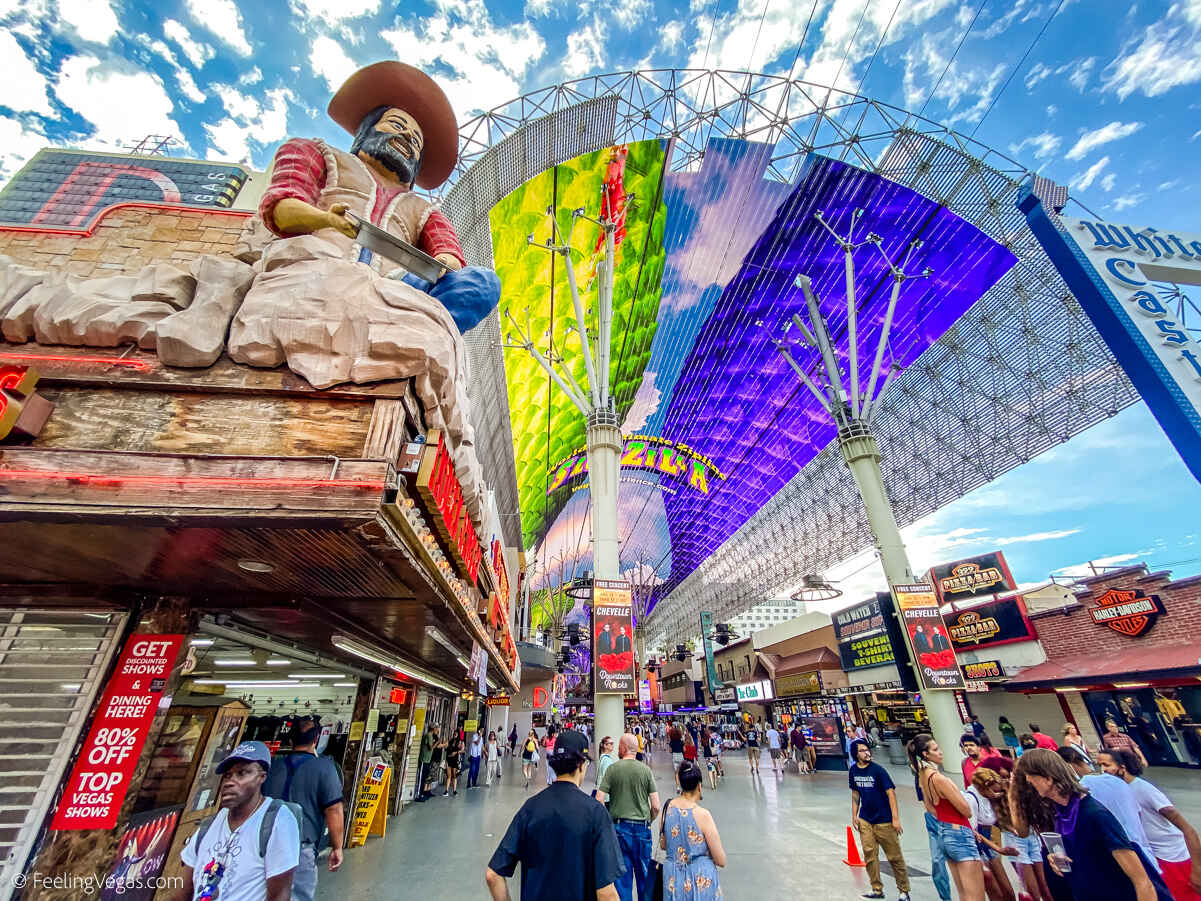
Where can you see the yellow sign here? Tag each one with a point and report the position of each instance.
(470, 726)
(373, 720)
(371, 812)
(418, 720)
(356, 730)
(798, 684)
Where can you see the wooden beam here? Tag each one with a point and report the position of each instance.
(132, 368)
(89, 418)
(185, 485)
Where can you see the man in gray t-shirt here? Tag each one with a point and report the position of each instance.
(315, 783)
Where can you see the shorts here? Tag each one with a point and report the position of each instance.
(958, 842)
(709, 762)
(1030, 848)
(676, 759)
(775, 753)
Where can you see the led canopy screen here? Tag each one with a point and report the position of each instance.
(718, 422)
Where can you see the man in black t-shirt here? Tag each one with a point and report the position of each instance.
(874, 813)
(563, 839)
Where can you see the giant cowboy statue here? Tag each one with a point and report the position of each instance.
(328, 306)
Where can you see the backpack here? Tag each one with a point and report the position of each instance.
(266, 825)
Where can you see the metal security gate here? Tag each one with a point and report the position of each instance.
(51, 666)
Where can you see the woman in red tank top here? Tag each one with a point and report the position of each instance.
(943, 798)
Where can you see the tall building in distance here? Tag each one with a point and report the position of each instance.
(769, 613)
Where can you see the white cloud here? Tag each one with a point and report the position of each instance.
(631, 13)
(1036, 537)
(1168, 185)
(334, 10)
(1052, 109)
(646, 402)
(123, 105)
(223, 19)
(1164, 57)
(18, 142)
(1038, 72)
(331, 62)
(1082, 181)
(1043, 145)
(536, 9)
(671, 36)
(197, 52)
(1128, 200)
(1091, 140)
(187, 84)
(1081, 71)
(93, 20)
(487, 60)
(1084, 570)
(249, 120)
(23, 87)
(254, 76)
(1109, 180)
(585, 49)
(927, 58)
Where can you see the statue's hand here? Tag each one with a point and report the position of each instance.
(449, 260)
(336, 218)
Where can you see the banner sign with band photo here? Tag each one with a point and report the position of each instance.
(102, 773)
(613, 637)
(998, 622)
(972, 578)
(933, 654)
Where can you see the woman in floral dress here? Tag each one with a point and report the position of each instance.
(689, 836)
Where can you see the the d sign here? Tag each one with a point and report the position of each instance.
(540, 696)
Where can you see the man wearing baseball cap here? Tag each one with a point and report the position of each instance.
(250, 848)
(562, 838)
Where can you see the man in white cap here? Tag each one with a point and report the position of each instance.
(249, 850)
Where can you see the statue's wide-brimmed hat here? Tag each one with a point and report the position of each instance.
(395, 84)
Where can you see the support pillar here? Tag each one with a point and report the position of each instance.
(862, 455)
(604, 454)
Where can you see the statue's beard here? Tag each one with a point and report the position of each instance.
(378, 145)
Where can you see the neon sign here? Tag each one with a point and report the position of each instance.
(651, 453)
(439, 489)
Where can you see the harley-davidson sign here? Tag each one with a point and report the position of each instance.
(1128, 612)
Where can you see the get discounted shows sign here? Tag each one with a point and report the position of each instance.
(100, 779)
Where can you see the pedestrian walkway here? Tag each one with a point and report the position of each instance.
(785, 836)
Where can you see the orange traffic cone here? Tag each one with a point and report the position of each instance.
(852, 859)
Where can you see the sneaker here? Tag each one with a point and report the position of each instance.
(904, 896)
(872, 895)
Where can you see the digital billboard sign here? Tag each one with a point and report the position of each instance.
(715, 421)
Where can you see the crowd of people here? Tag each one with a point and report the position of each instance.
(1039, 820)
(1074, 822)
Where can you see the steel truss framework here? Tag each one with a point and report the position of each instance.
(1022, 371)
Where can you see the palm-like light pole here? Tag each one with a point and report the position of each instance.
(596, 405)
(853, 412)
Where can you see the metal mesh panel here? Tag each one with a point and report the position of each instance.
(51, 665)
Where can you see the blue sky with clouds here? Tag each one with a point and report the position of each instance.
(1106, 100)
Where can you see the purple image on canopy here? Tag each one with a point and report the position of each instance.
(737, 401)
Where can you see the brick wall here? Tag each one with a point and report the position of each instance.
(1070, 631)
(126, 239)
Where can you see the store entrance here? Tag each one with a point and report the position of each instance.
(1157, 720)
(233, 691)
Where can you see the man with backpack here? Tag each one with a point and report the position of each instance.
(315, 783)
(250, 848)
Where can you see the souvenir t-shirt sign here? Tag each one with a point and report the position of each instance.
(933, 655)
(613, 638)
(101, 776)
